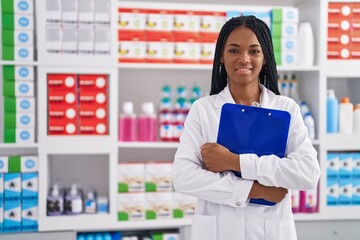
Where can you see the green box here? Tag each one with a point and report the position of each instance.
(8, 89)
(9, 135)
(277, 44)
(8, 21)
(123, 187)
(9, 104)
(8, 53)
(277, 58)
(9, 73)
(276, 15)
(7, 6)
(15, 164)
(8, 37)
(276, 30)
(123, 216)
(9, 120)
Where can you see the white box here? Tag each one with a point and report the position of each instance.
(131, 177)
(290, 14)
(102, 41)
(23, 22)
(29, 164)
(102, 12)
(20, 88)
(159, 206)
(23, 53)
(24, 7)
(53, 39)
(21, 135)
(86, 41)
(21, 120)
(69, 41)
(21, 104)
(24, 73)
(158, 177)
(69, 10)
(4, 164)
(134, 20)
(289, 58)
(86, 10)
(131, 206)
(53, 12)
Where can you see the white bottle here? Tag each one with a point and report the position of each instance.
(356, 119)
(345, 116)
(306, 50)
(310, 125)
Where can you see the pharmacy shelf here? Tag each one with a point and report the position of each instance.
(342, 142)
(342, 68)
(20, 63)
(108, 222)
(18, 145)
(148, 144)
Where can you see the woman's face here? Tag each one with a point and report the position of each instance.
(242, 56)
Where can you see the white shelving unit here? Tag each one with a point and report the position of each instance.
(141, 82)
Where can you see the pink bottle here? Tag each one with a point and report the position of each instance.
(295, 201)
(128, 123)
(309, 201)
(147, 123)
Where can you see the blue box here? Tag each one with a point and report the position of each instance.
(345, 191)
(356, 165)
(332, 191)
(356, 191)
(345, 165)
(332, 165)
(12, 187)
(12, 216)
(30, 189)
(29, 221)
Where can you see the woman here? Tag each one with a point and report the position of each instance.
(244, 72)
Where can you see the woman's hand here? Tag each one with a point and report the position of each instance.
(218, 158)
(272, 194)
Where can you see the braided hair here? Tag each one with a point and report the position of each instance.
(268, 73)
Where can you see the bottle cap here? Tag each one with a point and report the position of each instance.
(356, 107)
(128, 107)
(55, 191)
(148, 107)
(345, 100)
(73, 190)
(330, 92)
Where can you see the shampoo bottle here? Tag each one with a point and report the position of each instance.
(332, 112)
(128, 123)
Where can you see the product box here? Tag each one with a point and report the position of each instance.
(159, 21)
(285, 14)
(86, 41)
(90, 126)
(17, 7)
(158, 177)
(345, 191)
(284, 30)
(134, 19)
(285, 44)
(58, 126)
(53, 12)
(14, 164)
(12, 187)
(264, 16)
(338, 52)
(18, 88)
(29, 220)
(69, 40)
(332, 165)
(19, 120)
(59, 98)
(15, 53)
(332, 191)
(132, 51)
(12, 216)
(336, 38)
(29, 164)
(211, 23)
(356, 165)
(19, 135)
(339, 10)
(159, 51)
(17, 38)
(131, 206)
(53, 39)
(69, 11)
(86, 11)
(165, 236)
(345, 165)
(30, 188)
(131, 177)
(93, 82)
(4, 164)
(355, 44)
(159, 206)
(355, 191)
(187, 50)
(102, 12)
(186, 22)
(17, 22)
(285, 58)
(14, 73)
(62, 82)
(207, 51)
(183, 205)
(102, 41)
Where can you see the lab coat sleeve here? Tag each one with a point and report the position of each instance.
(190, 177)
(298, 170)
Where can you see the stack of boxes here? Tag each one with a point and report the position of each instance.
(284, 31)
(17, 30)
(19, 104)
(78, 104)
(343, 30)
(78, 27)
(343, 178)
(18, 194)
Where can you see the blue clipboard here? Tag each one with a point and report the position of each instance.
(246, 129)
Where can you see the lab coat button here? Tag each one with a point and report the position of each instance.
(238, 204)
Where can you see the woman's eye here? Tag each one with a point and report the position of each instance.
(233, 51)
(254, 51)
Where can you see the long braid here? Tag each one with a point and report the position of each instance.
(268, 74)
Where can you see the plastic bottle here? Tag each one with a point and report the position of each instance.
(295, 201)
(306, 45)
(148, 123)
(128, 123)
(304, 108)
(55, 201)
(345, 116)
(332, 112)
(356, 119)
(310, 125)
(285, 86)
(166, 114)
(80, 237)
(74, 200)
(90, 202)
(309, 200)
(294, 88)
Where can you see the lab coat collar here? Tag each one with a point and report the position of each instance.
(225, 97)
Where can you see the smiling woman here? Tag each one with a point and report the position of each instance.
(244, 71)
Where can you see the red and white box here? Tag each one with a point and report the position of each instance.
(187, 50)
(132, 47)
(62, 82)
(186, 22)
(92, 82)
(132, 19)
(159, 49)
(160, 22)
(211, 23)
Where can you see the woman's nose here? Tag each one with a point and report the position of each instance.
(244, 58)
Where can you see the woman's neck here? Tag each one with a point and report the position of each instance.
(245, 95)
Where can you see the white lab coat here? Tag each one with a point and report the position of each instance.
(222, 211)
